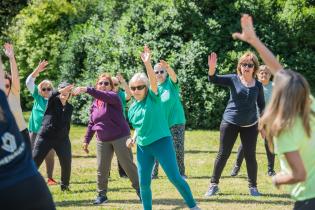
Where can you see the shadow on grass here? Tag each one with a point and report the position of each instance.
(213, 152)
(83, 156)
(220, 199)
(224, 177)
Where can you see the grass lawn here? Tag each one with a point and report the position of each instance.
(201, 148)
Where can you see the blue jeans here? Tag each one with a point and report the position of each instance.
(163, 151)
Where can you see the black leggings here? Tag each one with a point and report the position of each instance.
(270, 157)
(63, 151)
(308, 204)
(228, 136)
(30, 194)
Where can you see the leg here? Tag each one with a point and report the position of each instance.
(249, 140)
(228, 135)
(178, 134)
(163, 150)
(270, 157)
(145, 165)
(27, 139)
(63, 151)
(123, 156)
(240, 156)
(104, 155)
(41, 148)
(50, 163)
(121, 171)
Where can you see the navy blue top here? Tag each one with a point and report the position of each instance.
(16, 163)
(241, 109)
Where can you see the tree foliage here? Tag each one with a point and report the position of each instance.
(83, 38)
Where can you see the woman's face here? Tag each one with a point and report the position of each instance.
(264, 76)
(115, 84)
(247, 68)
(45, 90)
(160, 74)
(138, 90)
(7, 86)
(103, 84)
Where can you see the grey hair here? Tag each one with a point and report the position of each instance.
(139, 77)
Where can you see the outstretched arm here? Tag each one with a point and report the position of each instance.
(8, 50)
(169, 70)
(248, 35)
(146, 58)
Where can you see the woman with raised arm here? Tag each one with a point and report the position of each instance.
(112, 132)
(54, 133)
(21, 185)
(240, 117)
(289, 124)
(152, 135)
(40, 93)
(169, 91)
(12, 91)
(121, 87)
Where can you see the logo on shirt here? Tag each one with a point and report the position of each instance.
(8, 142)
(165, 95)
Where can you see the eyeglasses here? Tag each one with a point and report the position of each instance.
(7, 86)
(140, 87)
(46, 89)
(116, 84)
(103, 83)
(249, 65)
(159, 72)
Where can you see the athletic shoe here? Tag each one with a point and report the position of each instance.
(271, 173)
(65, 188)
(253, 191)
(213, 190)
(100, 199)
(235, 171)
(51, 181)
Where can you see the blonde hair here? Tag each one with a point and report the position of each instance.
(139, 77)
(45, 81)
(290, 99)
(248, 56)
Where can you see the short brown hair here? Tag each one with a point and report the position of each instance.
(108, 77)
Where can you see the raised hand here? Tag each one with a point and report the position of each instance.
(212, 62)
(146, 55)
(8, 50)
(164, 64)
(248, 32)
(66, 89)
(121, 79)
(79, 90)
(40, 68)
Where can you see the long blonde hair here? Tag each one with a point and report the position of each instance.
(290, 99)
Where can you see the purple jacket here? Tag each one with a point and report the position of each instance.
(107, 120)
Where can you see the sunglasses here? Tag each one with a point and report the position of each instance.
(46, 89)
(249, 65)
(116, 84)
(7, 86)
(159, 72)
(103, 83)
(140, 87)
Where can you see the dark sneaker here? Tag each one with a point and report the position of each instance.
(253, 191)
(100, 199)
(139, 195)
(213, 190)
(64, 188)
(271, 173)
(235, 171)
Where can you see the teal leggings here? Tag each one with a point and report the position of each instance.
(163, 151)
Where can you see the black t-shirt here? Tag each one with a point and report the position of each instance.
(16, 163)
(57, 119)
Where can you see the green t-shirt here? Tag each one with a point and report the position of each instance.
(122, 96)
(38, 111)
(146, 118)
(171, 101)
(295, 139)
